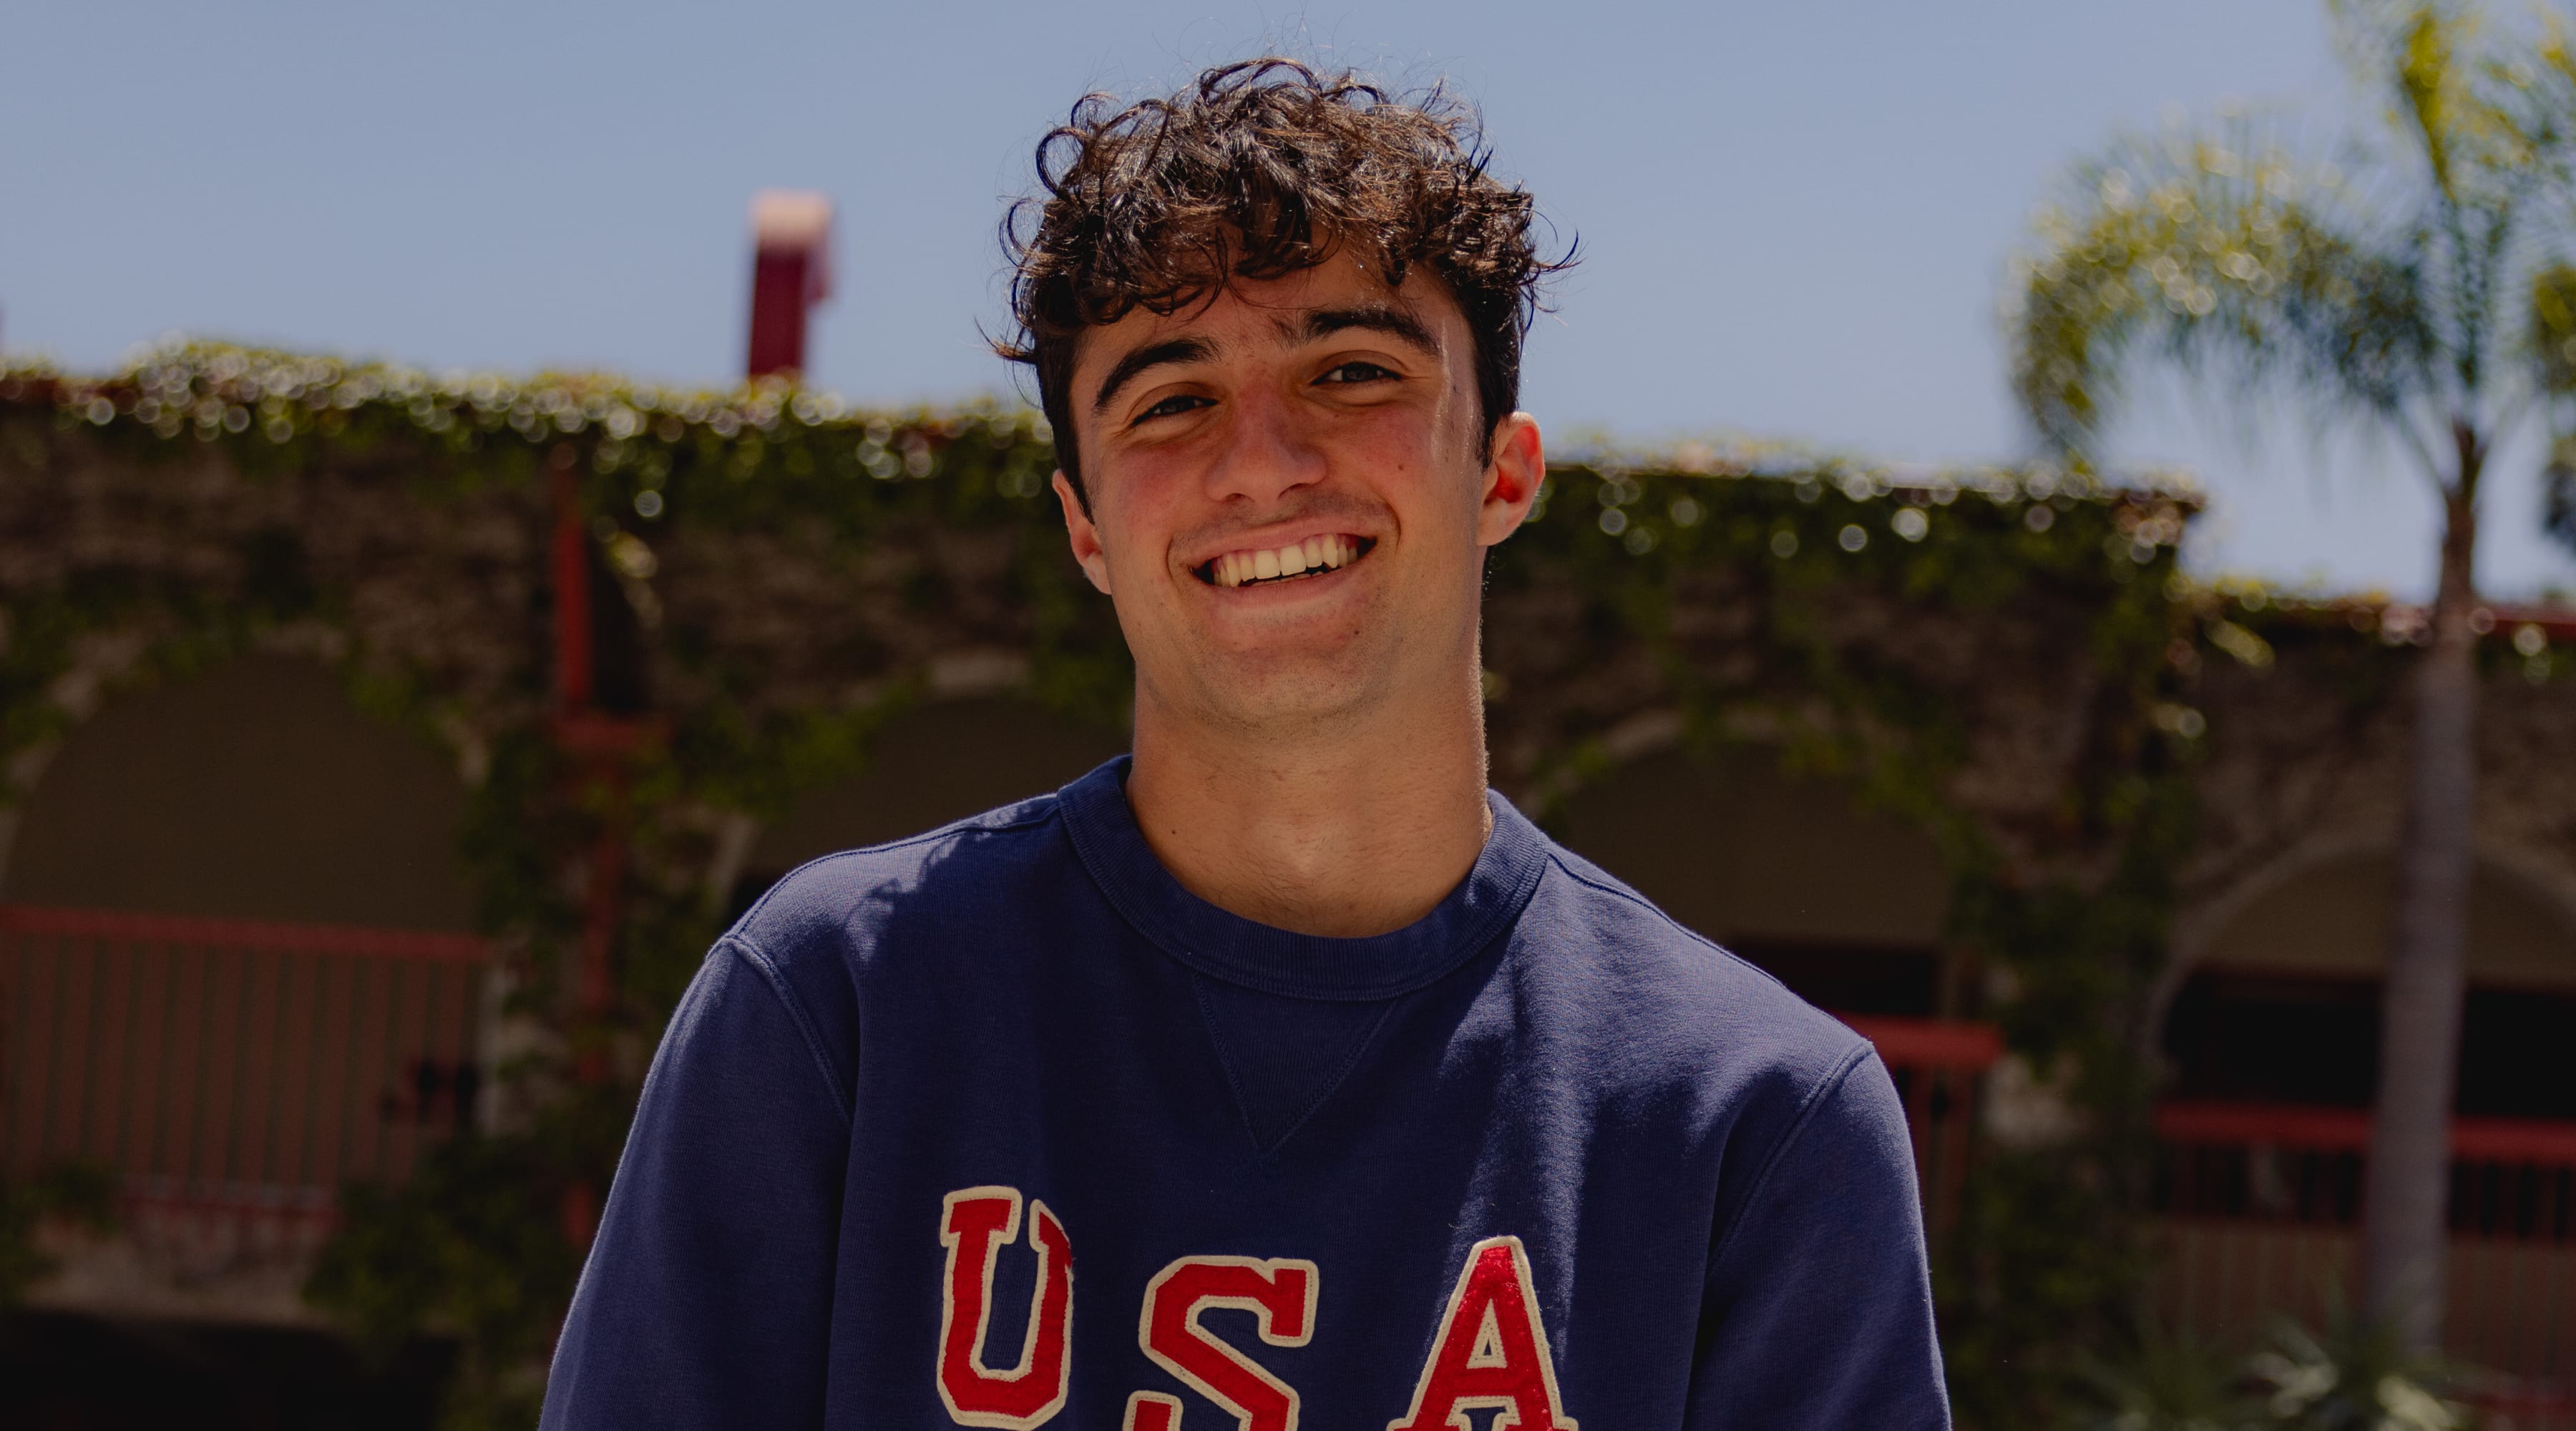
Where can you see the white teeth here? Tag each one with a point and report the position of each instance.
(1324, 553)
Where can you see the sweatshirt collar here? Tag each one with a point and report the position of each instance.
(1260, 956)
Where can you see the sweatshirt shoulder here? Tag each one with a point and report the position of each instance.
(814, 931)
(826, 899)
(1652, 978)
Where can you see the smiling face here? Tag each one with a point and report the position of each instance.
(1290, 495)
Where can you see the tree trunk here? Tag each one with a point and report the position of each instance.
(2403, 1234)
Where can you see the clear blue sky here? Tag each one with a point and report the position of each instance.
(1796, 215)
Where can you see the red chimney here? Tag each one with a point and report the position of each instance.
(791, 271)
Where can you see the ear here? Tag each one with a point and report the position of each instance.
(1083, 536)
(1519, 464)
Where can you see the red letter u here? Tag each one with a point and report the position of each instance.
(973, 1225)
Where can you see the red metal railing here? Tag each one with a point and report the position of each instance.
(1936, 1064)
(235, 1073)
(1930, 1043)
(232, 1072)
(2261, 1201)
(2512, 1179)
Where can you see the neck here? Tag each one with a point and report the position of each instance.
(1348, 832)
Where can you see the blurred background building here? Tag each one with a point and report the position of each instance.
(380, 748)
(241, 965)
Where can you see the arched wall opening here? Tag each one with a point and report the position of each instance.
(255, 790)
(931, 765)
(236, 969)
(2282, 1004)
(1842, 903)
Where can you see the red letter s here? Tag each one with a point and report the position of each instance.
(1280, 1294)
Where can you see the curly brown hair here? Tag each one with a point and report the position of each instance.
(1262, 168)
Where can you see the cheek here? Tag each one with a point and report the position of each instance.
(1402, 446)
(1420, 468)
(1136, 530)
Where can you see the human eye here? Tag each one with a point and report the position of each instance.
(1172, 406)
(1355, 371)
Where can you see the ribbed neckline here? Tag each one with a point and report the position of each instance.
(1260, 956)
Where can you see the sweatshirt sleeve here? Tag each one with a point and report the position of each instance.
(1819, 1311)
(707, 1298)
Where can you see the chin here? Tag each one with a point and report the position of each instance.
(1274, 688)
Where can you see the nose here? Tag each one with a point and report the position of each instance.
(1266, 456)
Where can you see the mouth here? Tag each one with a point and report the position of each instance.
(1296, 561)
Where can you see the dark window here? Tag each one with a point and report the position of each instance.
(2270, 1039)
(1883, 979)
(2279, 1038)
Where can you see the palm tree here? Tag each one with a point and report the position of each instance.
(2430, 293)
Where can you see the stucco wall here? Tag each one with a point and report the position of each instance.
(2333, 920)
(935, 763)
(1736, 850)
(254, 790)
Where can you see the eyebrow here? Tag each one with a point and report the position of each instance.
(1152, 355)
(1314, 325)
(1386, 318)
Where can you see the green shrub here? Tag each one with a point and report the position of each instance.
(2353, 1376)
(79, 1192)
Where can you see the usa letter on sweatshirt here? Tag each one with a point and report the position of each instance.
(1280, 1294)
(973, 1225)
(1491, 1351)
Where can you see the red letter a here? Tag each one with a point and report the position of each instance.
(1492, 1350)
(973, 1226)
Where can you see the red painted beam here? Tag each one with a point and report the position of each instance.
(608, 738)
(2539, 1141)
(570, 563)
(2331, 1130)
(2502, 619)
(1929, 1043)
(200, 931)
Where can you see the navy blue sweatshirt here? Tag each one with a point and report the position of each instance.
(1002, 1127)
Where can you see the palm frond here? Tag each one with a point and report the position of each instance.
(2210, 249)
(2458, 91)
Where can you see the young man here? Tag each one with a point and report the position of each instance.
(1279, 1071)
